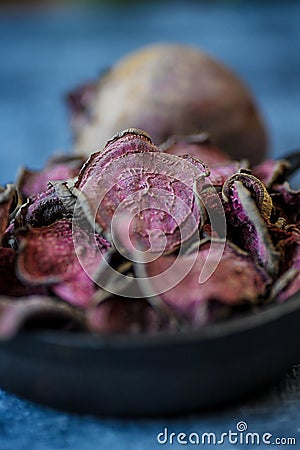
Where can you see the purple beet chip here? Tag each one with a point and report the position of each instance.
(125, 143)
(61, 256)
(246, 225)
(125, 315)
(199, 146)
(63, 167)
(235, 280)
(132, 177)
(35, 312)
(55, 203)
(10, 285)
(256, 189)
(289, 281)
(8, 201)
(220, 173)
(270, 171)
(287, 202)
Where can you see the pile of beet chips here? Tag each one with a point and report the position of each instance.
(142, 239)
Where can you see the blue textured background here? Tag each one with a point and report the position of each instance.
(42, 56)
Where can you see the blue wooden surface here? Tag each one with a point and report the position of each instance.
(42, 56)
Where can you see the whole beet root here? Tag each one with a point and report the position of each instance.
(169, 89)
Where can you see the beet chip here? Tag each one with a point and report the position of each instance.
(270, 171)
(8, 202)
(289, 281)
(36, 312)
(119, 315)
(220, 173)
(10, 285)
(247, 219)
(287, 202)
(59, 168)
(256, 189)
(125, 143)
(48, 256)
(198, 145)
(235, 280)
(155, 189)
(56, 203)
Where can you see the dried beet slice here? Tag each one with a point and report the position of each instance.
(198, 145)
(124, 143)
(130, 316)
(46, 253)
(247, 228)
(31, 183)
(8, 238)
(257, 189)
(284, 240)
(271, 171)
(48, 256)
(8, 202)
(235, 280)
(220, 173)
(37, 312)
(216, 220)
(10, 285)
(154, 188)
(63, 190)
(202, 167)
(287, 202)
(56, 203)
(289, 282)
(157, 200)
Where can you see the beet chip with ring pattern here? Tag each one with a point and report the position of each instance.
(131, 176)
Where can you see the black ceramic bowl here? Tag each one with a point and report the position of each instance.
(159, 374)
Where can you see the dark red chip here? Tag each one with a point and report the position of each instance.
(10, 284)
(125, 315)
(235, 280)
(31, 183)
(131, 177)
(8, 201)
(61, 256)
